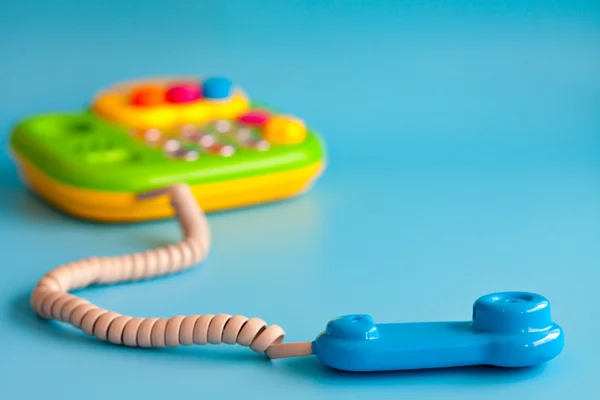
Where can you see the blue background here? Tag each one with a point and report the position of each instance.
(463, 144)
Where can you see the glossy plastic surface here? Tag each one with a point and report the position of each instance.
(141, 135)
(509, 329)
(467, 130)
(85, 151)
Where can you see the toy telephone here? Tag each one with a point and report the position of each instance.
(143, 135)
(118, 162)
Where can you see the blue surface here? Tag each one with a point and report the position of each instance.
(464, 155)
(508, 329)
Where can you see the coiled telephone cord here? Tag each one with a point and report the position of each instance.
(51, 298)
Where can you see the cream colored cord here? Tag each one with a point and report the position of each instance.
(51, 298)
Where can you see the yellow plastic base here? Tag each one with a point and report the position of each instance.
(124, 207)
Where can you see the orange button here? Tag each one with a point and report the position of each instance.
(147, 95)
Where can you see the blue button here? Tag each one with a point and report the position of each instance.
(217, 88)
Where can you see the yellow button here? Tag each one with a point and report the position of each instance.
(284, 130)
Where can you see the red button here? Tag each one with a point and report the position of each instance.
(147, 95)
(254, 118)
(183, 93)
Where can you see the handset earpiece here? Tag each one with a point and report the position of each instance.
(508, 329)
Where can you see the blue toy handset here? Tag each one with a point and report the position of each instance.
(509, 329)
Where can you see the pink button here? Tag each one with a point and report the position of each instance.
(254, 118)
(183, 93)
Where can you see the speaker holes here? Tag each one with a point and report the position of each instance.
(82, 127)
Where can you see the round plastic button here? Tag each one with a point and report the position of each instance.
(183, 93)
(147, 95)
(255, 118)
(217, 88)
(284, 130)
